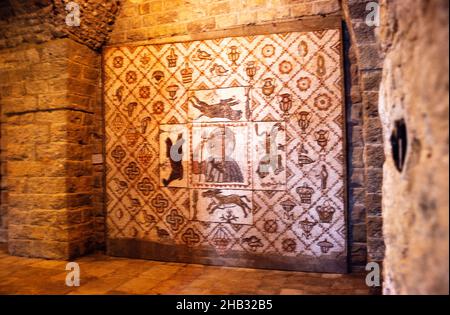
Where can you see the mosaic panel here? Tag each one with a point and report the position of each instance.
(228, 151)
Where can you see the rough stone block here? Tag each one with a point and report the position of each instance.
(359, 254)
(32, 201)
(358, 214)
(356, 134)
(357, 196)
(373, 204)
(374, 181)
(370, 58)
(373, 131)
(374, 227)
(20, 152)
(363, 32)
(29, 134)
(77, 169)
(371, 80)
(359, 233)
(370, 101)
(374, 155)
(357, 157)
(35, 169)
(202, 25)
(69, 133)
(376, 249)
(19, 105)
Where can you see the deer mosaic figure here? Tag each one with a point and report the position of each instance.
(271, 159)
(221, 201)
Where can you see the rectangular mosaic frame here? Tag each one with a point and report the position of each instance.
(138, 244)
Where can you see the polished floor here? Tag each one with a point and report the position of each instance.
(101, 274)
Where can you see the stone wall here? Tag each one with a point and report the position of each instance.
(366, 152)
(414, 35)
(144, 20)
(39, 21)
(47, 114)
(50, 89)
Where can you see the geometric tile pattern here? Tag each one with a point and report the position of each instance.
(234, 144)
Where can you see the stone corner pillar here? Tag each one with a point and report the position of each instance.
(50, 96)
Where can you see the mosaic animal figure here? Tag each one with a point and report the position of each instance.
(221, 201)
(176, 165)
(135, 205)
(271, 160)
(119, 94)
(162, 234)
(218, 70)
(148, 219)
(121, 185)
(203, 55)
(253, 242)
(223, 109)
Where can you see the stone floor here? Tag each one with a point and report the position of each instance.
(101, 274)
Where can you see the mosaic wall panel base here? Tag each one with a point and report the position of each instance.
(228, 151)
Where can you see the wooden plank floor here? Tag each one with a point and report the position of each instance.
(101, 274)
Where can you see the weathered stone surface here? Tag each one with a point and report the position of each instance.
(37, 22)
(374, 204)
(357, 196)
(369, 57)
(357, 178)
(376, 249)
(374, 227)
(374, 180)
(356, 114)
(359, 253)
(371, 80)
(415, 201)
(374, 155)
(370, 104)
(359, 233)
(165, 18)
(372, 131)
(47, 167)
(358, 214)
(357, 157)
(38, 248)
(356, 134)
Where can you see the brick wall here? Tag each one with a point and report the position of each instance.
(50, 90)
(162, 18)
(47, 106)
(365, 133)
(39, 21)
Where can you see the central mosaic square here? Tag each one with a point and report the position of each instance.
(220, 156)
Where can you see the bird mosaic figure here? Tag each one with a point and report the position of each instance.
(218, 70)
(203, 55)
